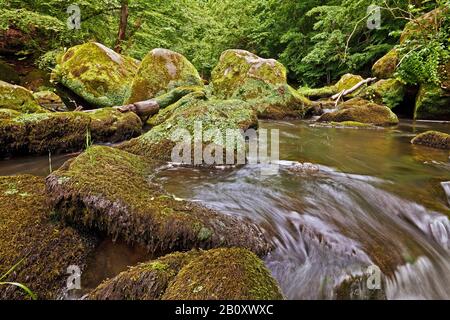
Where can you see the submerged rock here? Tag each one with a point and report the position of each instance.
(96, 73)
(160, 71)
(217, 274)
(18, 98)
(40, 133)
(363, 111)
(29, 233)
(388, 92)
(386, 66)
(244, 76)
(434, 139)
(131, 207)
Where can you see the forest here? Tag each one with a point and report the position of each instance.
(224, 149)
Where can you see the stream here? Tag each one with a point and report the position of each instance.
(368, 198)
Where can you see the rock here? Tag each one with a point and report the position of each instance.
(8, 74)
(40, 133)
(96, 73)
(432, 103)
(129, 206)
(388, 92)
(363, 111)
(160, 71)
(433, 139)
(183, 115)
(245, 76)
(385, 67)
(50, 101)
(29, 232)
(217, 274)
(318, 93)
(18, 98)
(348, 81)
(423, 27)
(35, 79)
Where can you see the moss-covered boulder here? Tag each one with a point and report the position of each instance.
(217, 274)
(96, 73)
(160, 71)
(389, 92)
(386, 66)
(348, 81)
(18, 98)
(50, 101)
(244, 76)
(40, 133)
(109, 190)
(424, 27)
(363, 111)
(211, 114)
(318, 93)
(8, 74)
(434, 139)
(30, 235)
(432, 103)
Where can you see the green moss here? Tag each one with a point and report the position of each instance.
(97, 74)
(363, 111)
(131, 207)
(28, 232)
(161, 71)
(39, 133)
(385, 67)
(389, 92)
(348, 81)
(318, 93)
(18, 98)
(434, 139)
(8, 74)
(241, 275)
(423, 27)
(432, 103)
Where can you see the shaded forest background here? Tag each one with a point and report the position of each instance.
(317, 40)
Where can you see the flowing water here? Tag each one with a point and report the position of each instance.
(368, 199)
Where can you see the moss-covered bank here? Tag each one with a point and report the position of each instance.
(218, 274)
(18, 98)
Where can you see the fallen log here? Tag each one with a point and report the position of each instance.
(144, 109)
(344, 93)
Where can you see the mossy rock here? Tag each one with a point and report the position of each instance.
(50, 101)
(242, 75)
(217, 274)
(96, 73)
(432, 103)
(424, 27)
(318, 93)
(362, 111)
(213, 114)
(8, 74)
(434, 139)
(18, 98)
(29, 232)
(348, 81)
(40, 133)
(108, 189)
(386, 66)
(160, 71)
(389, 92)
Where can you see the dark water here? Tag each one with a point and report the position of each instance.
(368, 198)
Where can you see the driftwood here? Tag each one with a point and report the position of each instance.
(143, 109)
(344, 93)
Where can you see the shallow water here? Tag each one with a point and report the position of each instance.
(369, 199)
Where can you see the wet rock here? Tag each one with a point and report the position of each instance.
(219, 115)
(385, 67)
(318, 93)
(433, 139)
(161, 71)
(96, 73)
(218, 274)
(433, 102)
(29, 232)
(388, 92)
(50, 101)
(131, 207)
(362, 111)
(245, 76)
(40, 133)
(18, 98)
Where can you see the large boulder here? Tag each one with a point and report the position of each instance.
(389, 92)
(30, 237)
(160, 71)
(18, 98)
(433, 139)
(362, 111)
(386, 66)
(96, 73)
(109, 190)
(40, 133)
(348, 81)
(218, 274)
(245, 76)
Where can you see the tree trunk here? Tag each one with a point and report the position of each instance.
(122, 26)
